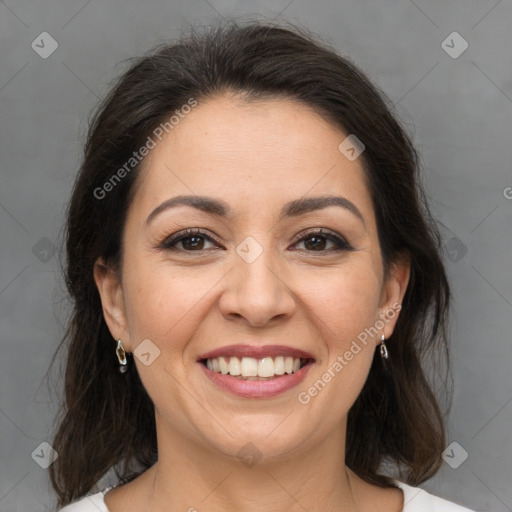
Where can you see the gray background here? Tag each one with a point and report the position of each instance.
(459, 111)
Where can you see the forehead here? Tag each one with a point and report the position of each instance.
(253, 155)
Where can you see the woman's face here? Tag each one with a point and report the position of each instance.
(258, 275)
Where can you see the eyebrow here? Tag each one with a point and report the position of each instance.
(221, 209)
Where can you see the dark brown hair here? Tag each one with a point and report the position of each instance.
(107, 418)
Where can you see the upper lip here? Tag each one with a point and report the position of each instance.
(256, 351)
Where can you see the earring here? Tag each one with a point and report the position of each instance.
(383, 349)
(121, 356)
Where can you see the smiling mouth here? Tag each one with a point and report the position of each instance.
(249, 368)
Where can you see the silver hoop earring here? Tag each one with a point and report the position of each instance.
(383, 349)
(121, 357)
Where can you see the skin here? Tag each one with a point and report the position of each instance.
(255, 157)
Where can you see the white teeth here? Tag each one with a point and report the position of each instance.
(234, 366)
(266, 367)
(223, 365)
(279, 365)
(251, 367)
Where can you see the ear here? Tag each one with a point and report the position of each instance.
(111, 292)
(393, 292)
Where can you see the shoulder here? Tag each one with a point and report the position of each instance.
(92, 503)
(419, 500)
(415, 500)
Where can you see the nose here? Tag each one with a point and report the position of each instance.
(256, 293)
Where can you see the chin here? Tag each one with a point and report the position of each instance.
(256, 444)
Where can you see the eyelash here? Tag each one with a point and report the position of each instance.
(170, 242)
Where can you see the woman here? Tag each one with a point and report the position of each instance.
(256, 282)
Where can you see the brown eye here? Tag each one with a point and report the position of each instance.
(192, 240)
(317, 241)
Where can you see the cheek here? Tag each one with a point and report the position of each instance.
(343, 308)
(164, 302)
(165, 307)
(346, 303)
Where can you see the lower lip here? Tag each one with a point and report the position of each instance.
(256, 388)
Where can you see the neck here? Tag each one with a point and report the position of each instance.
(194, 478)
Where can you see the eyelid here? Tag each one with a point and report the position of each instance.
(175, 238)
(342, 244)
(338, 239)
(317, 231)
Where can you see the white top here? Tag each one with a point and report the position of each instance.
(415, 500)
